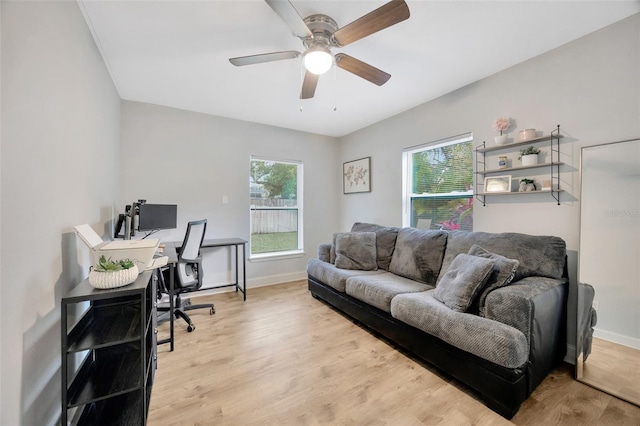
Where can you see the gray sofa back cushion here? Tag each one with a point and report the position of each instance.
(542, 256)
(418, 254)
(385, 241)
(356, 250)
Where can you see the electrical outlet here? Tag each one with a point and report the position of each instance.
(596, 305)
(225, 199)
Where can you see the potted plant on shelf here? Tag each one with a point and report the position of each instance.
(527, 185)
(112, 273)
(529, 156)
(501, 124)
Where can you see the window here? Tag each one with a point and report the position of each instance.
(438, 185)
(276, 207)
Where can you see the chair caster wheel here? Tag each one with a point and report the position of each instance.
(190, 328)
(212, 311)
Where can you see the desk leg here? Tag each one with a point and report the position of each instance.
(171, 305)
(237, 277)
(244, 270)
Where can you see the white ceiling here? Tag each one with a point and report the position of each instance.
(175, 53)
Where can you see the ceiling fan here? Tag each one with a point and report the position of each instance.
(319, 33)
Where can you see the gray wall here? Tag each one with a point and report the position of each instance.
(193, 160)
(59, 167)
(590, 86)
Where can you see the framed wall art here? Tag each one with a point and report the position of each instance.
(356, 176)
(497, 184)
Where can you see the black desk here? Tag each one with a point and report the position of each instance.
(224, 242)
(230, 242)
(170, 250)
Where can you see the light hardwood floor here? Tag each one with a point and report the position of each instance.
(614, 368)
(285, 358)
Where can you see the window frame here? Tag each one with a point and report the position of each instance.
(407, 174)
(299, 251)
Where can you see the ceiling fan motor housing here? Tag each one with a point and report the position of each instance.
(322, 27)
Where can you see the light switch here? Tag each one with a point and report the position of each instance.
(225, 199)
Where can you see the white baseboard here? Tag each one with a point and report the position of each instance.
(617, 338)
(252, 283)
(276, 279)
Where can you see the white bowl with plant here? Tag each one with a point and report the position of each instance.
(110, 273)
(529, 156)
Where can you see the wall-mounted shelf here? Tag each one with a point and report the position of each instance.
(520, 143)
(509, 169)
(540, 191)
(554, 166)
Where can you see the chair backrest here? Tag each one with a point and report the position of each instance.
(190, 254)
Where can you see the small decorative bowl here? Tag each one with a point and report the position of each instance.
(527, 134)
(113, 279)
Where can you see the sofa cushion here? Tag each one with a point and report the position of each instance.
(332, 276)
(385, 241)
(356, 250)
(418, 254)
(378, 290)
(538, 255)
(504, 269)
(488, 339)
(463, 281)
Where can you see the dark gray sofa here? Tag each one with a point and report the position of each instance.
(503, 344)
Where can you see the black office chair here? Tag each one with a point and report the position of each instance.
(188, 274)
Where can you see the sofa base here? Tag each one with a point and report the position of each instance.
(501, 389)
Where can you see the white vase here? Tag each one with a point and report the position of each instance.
(500, 140)
(113, 279)
(529, 160)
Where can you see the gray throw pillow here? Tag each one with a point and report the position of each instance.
(504, 269)
(356, 250)
(385, 241)
(463, 281)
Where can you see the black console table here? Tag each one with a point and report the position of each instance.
(227, 242)
(231, 242)
(108, 354)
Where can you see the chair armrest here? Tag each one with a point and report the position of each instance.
(324, 252)
(536, 306)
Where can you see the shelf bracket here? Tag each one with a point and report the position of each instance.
(480, 185)
(555, 177)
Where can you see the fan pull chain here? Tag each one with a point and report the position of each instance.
(335, 85)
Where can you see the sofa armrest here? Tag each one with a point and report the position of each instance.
(536, 306)
(324, 252)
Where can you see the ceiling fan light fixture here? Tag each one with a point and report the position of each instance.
(317, 60)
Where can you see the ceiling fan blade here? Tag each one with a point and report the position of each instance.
(362, 69)
(383, 17)
(290, 16)
(309, 85)
(264, 57)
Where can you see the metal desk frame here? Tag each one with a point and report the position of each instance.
(170, 250)
(230, 242)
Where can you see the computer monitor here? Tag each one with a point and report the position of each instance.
(157, 216)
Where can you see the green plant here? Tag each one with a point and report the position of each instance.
(525, 180)
(529, 151)
(108, 265)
